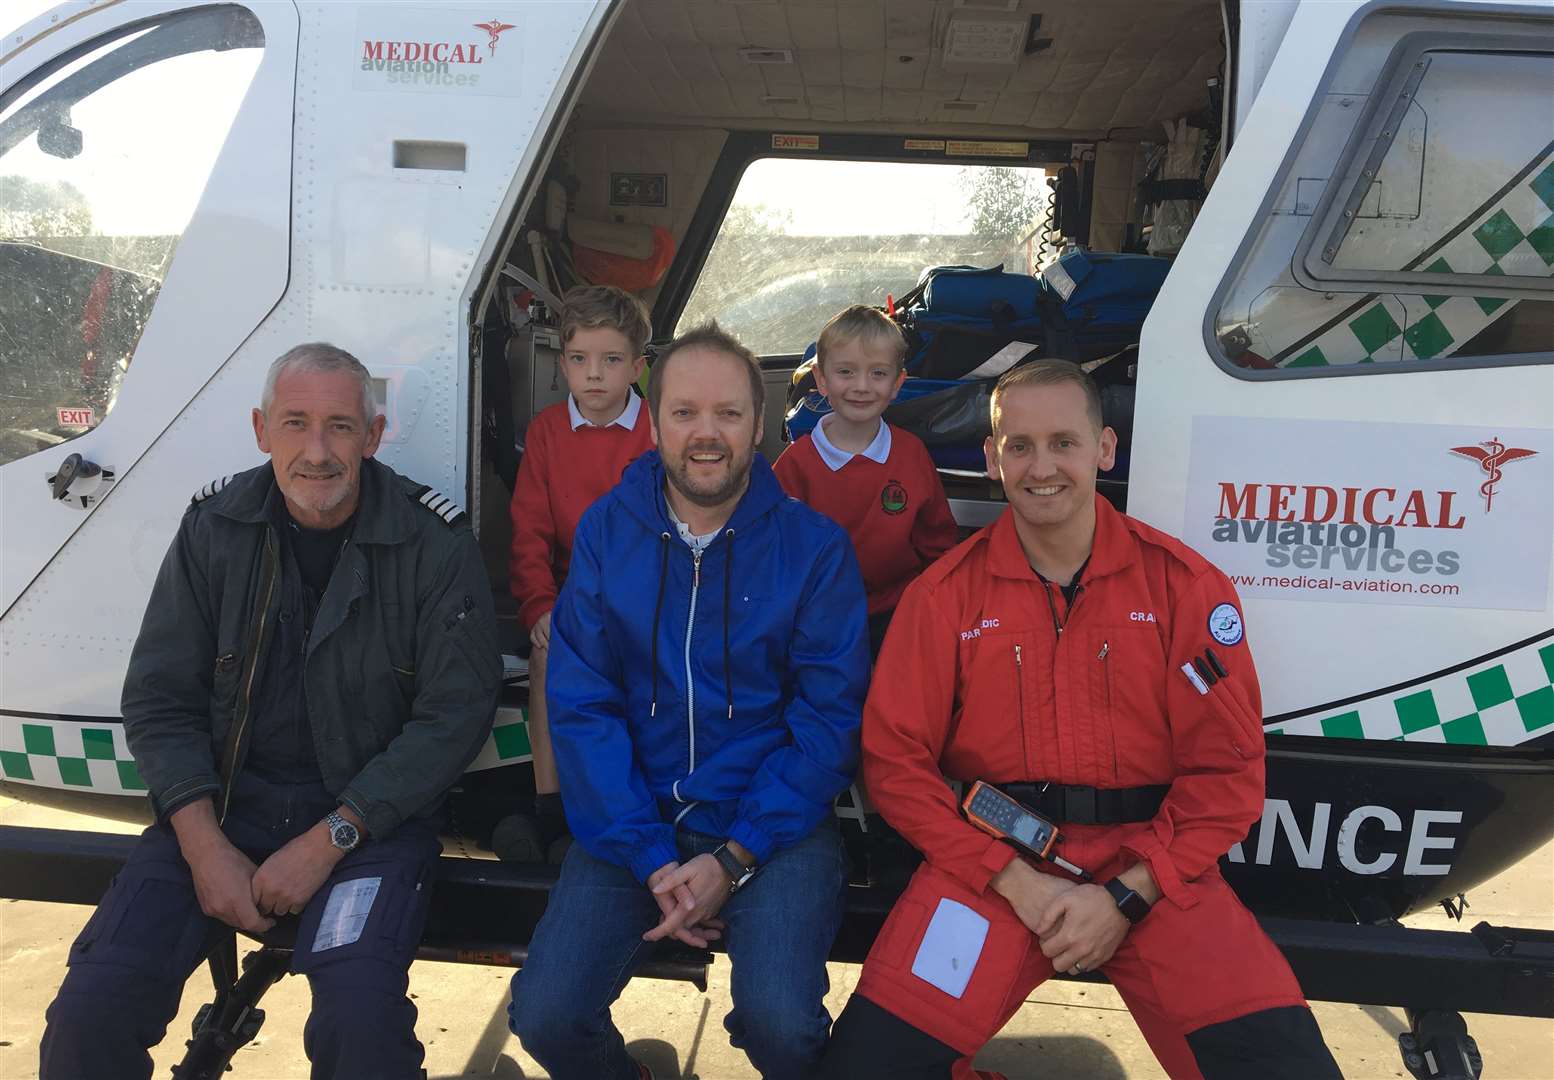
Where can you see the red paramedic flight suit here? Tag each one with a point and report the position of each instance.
(984, 686)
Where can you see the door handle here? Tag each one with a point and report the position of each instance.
(79, 482)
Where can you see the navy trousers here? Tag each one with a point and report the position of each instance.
(128, 967)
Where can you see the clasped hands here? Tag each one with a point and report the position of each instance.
(1078, 925)
(689, 896)
(231, 888)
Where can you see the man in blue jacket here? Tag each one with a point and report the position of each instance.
(708, 665)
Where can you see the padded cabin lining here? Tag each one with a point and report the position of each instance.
(686, 156)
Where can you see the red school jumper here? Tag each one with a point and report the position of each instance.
(894, 510)
(568, 463)
(983, 685)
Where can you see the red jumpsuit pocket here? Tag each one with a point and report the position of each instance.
(996, 698)
(1231, 707)
(948, 962)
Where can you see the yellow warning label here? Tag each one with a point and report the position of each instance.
(795, 142)
(980, 148)
(923, 144)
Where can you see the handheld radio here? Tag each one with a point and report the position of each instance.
(1006, 818)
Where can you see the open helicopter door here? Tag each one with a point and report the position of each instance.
(145, 150)
(1346, 382)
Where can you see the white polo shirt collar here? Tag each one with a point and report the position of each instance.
(627, 419)
(834, 457)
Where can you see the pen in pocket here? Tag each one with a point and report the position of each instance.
(1193, 677)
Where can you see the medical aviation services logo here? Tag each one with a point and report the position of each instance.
(496, 28)
(893, 497)
(1490, 456)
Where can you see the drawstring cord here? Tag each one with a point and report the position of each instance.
(658, 611)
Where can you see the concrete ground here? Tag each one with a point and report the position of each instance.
(1064, 1030)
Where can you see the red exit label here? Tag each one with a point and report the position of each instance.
(75, 417)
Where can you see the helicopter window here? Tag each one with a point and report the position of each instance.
(804, 238)
(1414, 224)
(97, 183)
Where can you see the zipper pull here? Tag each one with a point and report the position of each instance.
(1017, 660)
(1106, 647)
(696, 567)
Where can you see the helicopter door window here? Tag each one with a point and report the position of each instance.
(804, 238)
(103, 158)
(1413, 225)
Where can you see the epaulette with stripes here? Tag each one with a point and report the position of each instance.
(210, 489)
(442, 506)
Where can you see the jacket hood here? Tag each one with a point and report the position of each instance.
(641, 491)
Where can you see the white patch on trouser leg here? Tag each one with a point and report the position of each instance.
(345, 913)
(950, 947)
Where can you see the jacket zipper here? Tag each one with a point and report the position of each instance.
(690, 685)
(246, 698)
(1019, 693)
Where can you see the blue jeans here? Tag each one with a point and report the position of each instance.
(779, 931)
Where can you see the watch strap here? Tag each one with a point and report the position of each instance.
(335, 821)
(737, 871)
(1133, 906)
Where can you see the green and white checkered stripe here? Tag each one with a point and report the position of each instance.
(71, 755)
(68, 754)
(1514, 236)
(1502, 702)
(508, 743)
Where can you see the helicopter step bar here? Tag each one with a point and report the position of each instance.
(483, 912)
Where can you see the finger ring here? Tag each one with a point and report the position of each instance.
(1076, 970)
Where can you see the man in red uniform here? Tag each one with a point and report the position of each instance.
(1050, 655)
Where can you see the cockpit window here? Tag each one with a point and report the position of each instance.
(1415, 222)
(103, 159)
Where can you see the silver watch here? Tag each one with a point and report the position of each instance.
(342, 834)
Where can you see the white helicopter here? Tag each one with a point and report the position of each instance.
(1342, 392)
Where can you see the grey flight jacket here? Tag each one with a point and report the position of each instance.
(402, 670)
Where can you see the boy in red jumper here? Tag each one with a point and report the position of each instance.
(574, 453)
(874, 480)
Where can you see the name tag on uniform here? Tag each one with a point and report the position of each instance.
(950, 947)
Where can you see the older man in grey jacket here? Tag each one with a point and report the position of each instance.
(317, 665)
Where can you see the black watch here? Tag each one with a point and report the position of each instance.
(737, 871)
(1133, 906)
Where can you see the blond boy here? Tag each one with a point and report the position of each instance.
(874, 480)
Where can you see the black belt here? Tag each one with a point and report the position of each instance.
(1071, 804)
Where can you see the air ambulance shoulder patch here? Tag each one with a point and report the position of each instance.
(210, 489)
(1225, 625)
(441, 505)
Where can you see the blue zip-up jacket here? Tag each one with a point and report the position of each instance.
(723, 695)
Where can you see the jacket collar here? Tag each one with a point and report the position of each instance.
(383, 517)
(1111, 551)
(642, 490)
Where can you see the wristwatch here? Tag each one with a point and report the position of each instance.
(737, 871)
(1133, 906)
(342, 834)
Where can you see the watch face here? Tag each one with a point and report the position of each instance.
(344, 835)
